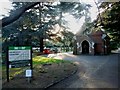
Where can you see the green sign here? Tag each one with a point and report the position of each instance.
(19, 53)
(20, 48)
(20, 56)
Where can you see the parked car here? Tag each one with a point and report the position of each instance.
(46, 51)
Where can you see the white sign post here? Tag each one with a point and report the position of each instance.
(29, 75)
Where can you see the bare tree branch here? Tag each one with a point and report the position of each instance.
(16, 14)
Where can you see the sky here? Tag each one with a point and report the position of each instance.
(74, 24)
(5, 7)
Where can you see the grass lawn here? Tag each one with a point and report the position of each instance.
(44, 60)
(37, 61)
(45, 72)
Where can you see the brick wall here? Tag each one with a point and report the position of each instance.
(95, 37)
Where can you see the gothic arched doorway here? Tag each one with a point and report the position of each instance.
(85, 47)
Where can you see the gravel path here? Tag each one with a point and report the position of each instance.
(93, 72)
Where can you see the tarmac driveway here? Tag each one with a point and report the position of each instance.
(93, 71)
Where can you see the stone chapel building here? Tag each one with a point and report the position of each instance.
(97, 42)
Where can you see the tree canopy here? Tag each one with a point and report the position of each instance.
(110, 20)
(31, 22)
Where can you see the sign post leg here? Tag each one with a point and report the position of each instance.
(31, 63)
(7, 75)
(7, 67)
(29, 80)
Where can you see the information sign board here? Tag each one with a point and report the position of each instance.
(19, 53)
(19, 57)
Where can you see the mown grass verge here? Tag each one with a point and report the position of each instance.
(45, 60)
(37, 61)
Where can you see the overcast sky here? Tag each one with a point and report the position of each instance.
(74, 24)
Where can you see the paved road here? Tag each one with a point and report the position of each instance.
(93, 71)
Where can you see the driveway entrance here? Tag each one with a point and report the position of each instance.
(93, 71)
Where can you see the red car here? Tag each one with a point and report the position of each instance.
(46, 51)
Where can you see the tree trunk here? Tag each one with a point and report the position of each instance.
(20, 38)
(41, 45)
(40, 21)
